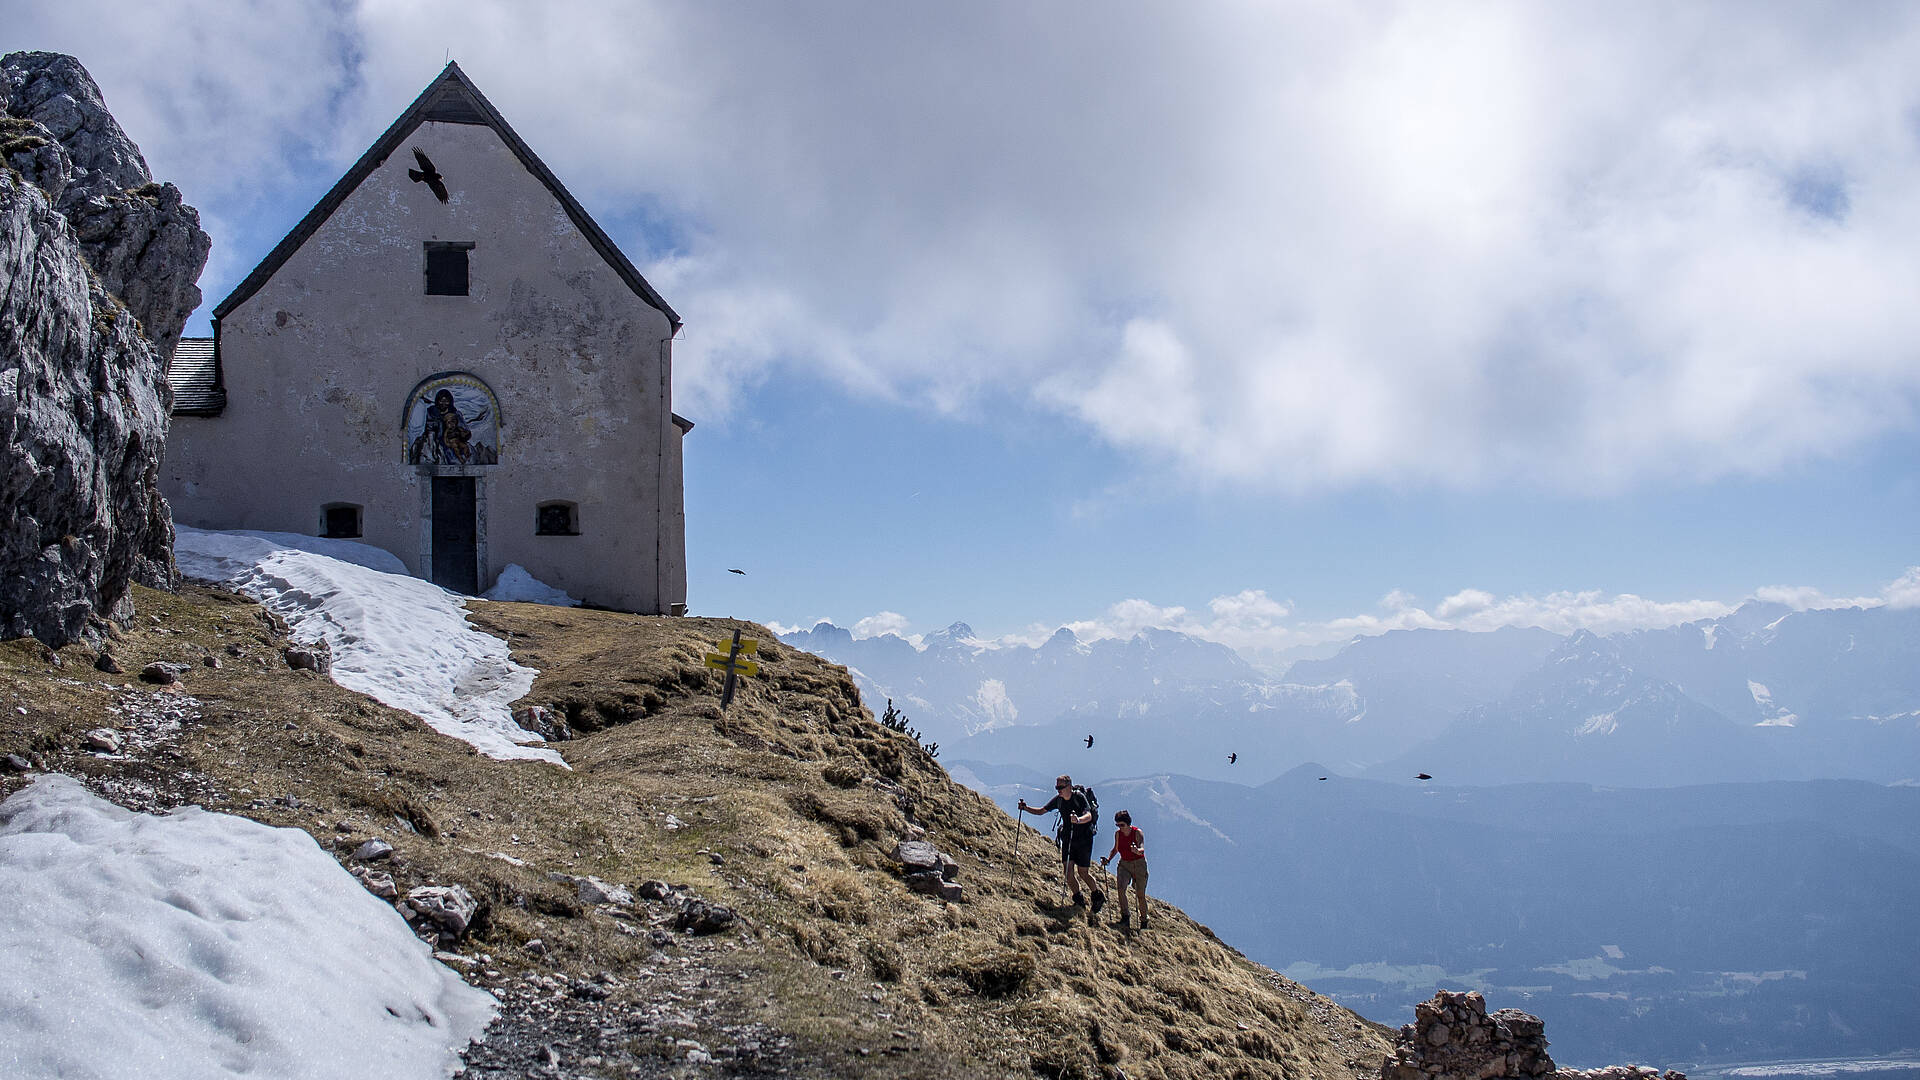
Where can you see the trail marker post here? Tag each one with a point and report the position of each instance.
(735, 664)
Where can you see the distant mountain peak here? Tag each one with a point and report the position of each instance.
(1754, 616)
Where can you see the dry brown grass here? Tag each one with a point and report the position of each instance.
(797, 794)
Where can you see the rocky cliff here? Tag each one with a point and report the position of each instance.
(97, 272)
(145, 244)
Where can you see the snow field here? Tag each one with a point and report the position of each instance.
(204, 945)
(400, 640)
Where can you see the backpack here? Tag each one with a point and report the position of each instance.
(1093, 807)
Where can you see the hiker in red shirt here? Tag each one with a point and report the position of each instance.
(1131, 845)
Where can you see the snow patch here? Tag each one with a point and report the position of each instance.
(516, 585)
(1161, 792)
(397, 639)
(995, 705)
(1763, 697)
(202, 944)
(1710, 631)
(1599, 724)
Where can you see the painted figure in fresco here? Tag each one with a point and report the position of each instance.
(446, 439)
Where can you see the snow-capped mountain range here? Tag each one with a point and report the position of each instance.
(1766, 692)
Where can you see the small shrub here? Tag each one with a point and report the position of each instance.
(895, 720)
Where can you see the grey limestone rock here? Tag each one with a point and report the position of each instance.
(144, 242)
(373, 851)
(97, 271)
(162, 673)
(592, 890)
(449, 907)
(545, 722)
(377, 883)
(655, 889)
(917, 855)
(703, 916)
(932, 884)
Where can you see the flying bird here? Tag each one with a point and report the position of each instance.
(1323, 778)
(731, 570)
(428, 175)
(1231, 758)
(1423, 776)
(1089, 742)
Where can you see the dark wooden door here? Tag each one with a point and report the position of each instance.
(455, 535)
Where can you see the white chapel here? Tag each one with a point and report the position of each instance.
(446, 358)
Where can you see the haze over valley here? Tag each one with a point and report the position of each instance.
(1689, 844)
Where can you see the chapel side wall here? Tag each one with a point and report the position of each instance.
(319, 363)
(674, 536)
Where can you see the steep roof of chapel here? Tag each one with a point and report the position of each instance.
(453, 99)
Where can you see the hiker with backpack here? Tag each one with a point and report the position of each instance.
(1078, 808)
(1131, 845)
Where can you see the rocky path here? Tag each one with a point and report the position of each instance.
(675, 1017)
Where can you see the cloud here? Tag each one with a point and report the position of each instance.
(1904, 591)
(1464, 602)
(1127, 618)
(1806, 597)
(1291, 247)
(1250, 605)
(884, 622)
(1262, 629)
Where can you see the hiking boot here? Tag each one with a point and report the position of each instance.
(1079, 900)
(1099, 901)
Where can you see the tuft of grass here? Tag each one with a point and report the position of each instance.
(997, 974)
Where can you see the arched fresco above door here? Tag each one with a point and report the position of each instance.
(452, 419)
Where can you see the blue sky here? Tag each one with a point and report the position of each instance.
(1269, 322)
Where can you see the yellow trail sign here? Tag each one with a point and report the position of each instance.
(733, 662)
(739, 667)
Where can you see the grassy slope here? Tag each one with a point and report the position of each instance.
(789, 804)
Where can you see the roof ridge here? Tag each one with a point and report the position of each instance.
(432, 105)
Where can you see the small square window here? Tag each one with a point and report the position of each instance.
(556, 519)
(341, 521)
(447, 271)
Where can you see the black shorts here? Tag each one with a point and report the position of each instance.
(1078, 847)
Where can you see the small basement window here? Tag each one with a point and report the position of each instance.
(340, 521)
(447, 268)
(557, 519)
